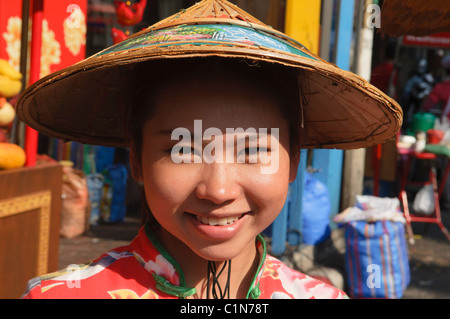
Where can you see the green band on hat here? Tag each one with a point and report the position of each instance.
(207, 34)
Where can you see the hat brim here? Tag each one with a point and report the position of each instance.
(82, 103)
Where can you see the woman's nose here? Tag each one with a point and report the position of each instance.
(219, 183)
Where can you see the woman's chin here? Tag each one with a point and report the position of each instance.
(222, 251)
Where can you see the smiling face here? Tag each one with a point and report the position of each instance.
(216, 208)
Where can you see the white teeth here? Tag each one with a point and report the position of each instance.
(213, 221)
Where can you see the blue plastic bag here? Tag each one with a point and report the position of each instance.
(315, 211)
(104, 157)
(376, 259)
(114, 193)
(95, 190)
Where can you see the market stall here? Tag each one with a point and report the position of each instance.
(30, 196)
(423, 28)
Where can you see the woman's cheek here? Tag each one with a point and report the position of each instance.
(171, 183)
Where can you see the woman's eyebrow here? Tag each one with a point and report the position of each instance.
(165, 132)
(234, 132)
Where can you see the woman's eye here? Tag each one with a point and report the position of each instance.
(251, 151)
(189, 151)
(183, 151)
(251, 154)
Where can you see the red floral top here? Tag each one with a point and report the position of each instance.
(145, 270)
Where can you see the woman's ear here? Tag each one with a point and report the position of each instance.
(295, 160)
(135, 165)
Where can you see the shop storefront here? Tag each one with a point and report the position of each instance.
(36, 181)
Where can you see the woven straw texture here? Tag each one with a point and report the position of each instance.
(82, 102)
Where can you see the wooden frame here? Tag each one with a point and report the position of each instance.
(30, 208)
(22, 204)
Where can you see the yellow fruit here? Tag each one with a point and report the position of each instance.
(8, 70)
(11, 156)
(7, 114)
(8, 87)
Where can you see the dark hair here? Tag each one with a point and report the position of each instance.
(285, 84)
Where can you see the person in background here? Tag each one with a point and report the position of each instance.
(416, 90)
(439, 96)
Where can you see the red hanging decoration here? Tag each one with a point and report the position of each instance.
(130, 14)
(118, 35)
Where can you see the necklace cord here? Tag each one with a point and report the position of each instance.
(216, 289)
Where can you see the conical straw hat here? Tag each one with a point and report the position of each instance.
(81, 103)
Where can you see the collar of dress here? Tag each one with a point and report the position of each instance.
(168, 274)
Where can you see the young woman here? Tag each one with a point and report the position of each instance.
(215, 111)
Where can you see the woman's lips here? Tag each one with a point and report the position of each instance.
(217, 228)
(217, 221)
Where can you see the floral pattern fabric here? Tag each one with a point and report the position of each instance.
(144, 270)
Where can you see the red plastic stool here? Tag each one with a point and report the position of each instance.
(435, 217)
